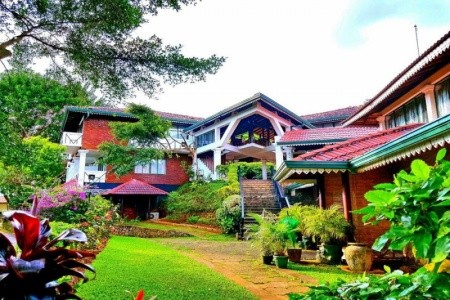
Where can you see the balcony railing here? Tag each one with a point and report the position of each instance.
(71, 139)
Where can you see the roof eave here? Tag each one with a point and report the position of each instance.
(421, 135)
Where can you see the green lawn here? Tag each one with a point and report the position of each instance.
(131, 264)
(324, 273)
(197, 232)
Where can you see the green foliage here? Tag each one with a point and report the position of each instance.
(94, 41)
(136, 141)
(395, 285)
(36, 160)
(229, 215)
(417, 205)
(271, 234)
(327, 225)
(195, 197)
(193, 219)
(94, 217)
(32, 104)
(173, 275)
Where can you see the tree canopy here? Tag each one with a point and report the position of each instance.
(136, 141)
(32, 104)
(31, 114)
(92, 41)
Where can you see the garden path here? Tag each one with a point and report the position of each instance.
(239, 262)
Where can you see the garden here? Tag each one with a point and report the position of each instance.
(77, 243)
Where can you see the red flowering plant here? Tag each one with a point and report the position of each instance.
(35, 271)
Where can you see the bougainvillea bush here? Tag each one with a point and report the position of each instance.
(71, 204)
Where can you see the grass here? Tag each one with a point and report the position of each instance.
(324, 273)
(197, 232)
(131, 264)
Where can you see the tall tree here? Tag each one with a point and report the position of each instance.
(92, 41)
(135, 141)
(32, 104)
(31, 114)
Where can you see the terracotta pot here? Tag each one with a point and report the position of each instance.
(295, 254)
(359, 257)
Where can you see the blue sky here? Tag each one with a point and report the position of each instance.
(309, 56)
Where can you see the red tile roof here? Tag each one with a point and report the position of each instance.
(356, 147)
(135, 187)
(332, 115)
(325, 135)
(176, 116)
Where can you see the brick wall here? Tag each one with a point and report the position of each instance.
(174, 173)
(333, 189)
(95, 131)
(360, 184)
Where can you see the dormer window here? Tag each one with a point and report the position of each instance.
(414, 111)
(442, 94)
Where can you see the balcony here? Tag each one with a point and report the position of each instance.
(71, 139)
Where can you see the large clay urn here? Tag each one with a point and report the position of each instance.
(358, 257)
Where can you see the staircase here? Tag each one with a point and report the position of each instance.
(258, 195)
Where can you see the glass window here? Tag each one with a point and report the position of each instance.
(442, 94)
(415, 111)
(154, 167)
(205, 139)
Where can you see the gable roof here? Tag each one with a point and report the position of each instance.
(321, 136)
(436, 57)
(247, 103)
(368, 152)
(135, 187)
(355, 147)
(331, 115)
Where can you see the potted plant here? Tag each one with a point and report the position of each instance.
(262, 234)
(292, 230)
(279, 245)
(329, 227)
(301, 212)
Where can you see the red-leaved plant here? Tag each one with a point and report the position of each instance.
(36, 273)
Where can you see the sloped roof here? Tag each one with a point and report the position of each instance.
(352, 148)
(247, 103)
(332, 115)
(135, 187)
(434, 58)
(320, 136)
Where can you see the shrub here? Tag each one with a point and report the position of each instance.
(195, 197)
(229, 215)
(417, 205)
(193, 219)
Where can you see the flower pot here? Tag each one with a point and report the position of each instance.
(295, 255)
(358, 257)
(281, 261)
(267, 259)
(330, 254)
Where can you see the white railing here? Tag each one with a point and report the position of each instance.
(203, 170)
(71, 139)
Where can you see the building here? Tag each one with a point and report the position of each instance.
(412, 116)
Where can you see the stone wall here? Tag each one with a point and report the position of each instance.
(134, 231)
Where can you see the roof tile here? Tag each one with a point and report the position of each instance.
(135, 187)
(325, 135)
(352, 148)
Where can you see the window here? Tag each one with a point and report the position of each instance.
(415, 111)
(442, 94)
(177, 133)
(205, 139)
(157, 166)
